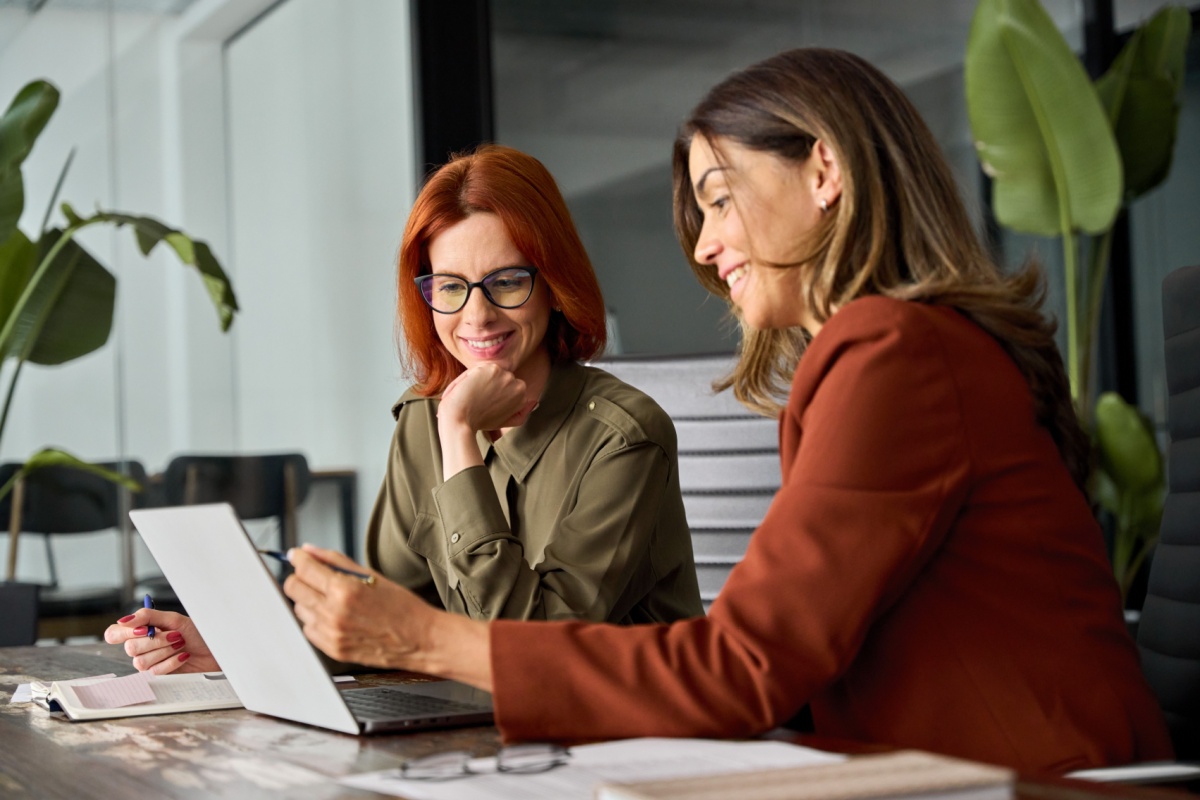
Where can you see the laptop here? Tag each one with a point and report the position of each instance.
(247, 622)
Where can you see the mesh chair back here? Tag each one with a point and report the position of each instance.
(728, 456)
(1169, 630)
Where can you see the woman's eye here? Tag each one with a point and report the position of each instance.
(450, 288)
(720, 203)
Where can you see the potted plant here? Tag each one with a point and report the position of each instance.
(1066, 156)
(56, 299)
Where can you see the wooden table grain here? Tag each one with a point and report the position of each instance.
(240, 754)
(231, 753)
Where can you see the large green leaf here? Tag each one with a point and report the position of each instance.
(20, 126)
(66, 273)
(18, 260)
(1128, 451)
(1140, 93)
(80, 320)
(1039, 128)
(190, 251)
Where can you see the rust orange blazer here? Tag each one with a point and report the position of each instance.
(928, 576)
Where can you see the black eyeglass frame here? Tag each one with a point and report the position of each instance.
(420, 280)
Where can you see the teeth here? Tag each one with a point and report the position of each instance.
(735, 276)
(483, 344)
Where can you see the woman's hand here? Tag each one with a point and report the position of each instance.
(176, 647)
(485, 398)
(382, 624)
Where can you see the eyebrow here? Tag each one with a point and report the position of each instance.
(704, 177)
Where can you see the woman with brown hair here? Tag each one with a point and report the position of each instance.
(520, 484)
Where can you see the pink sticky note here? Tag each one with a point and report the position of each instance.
(127, 691)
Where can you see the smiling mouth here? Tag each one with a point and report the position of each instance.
(486, 344)
(735, 276)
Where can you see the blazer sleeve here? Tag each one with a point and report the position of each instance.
(876, 465)
(600, 545)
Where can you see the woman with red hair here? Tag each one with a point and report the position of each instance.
(521, 484)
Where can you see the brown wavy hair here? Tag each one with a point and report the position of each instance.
(899, 228)
(518, 189)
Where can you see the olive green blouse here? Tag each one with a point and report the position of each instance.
(576, 514)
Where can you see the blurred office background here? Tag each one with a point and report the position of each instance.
(292, 134)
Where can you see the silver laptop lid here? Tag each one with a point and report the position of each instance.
(229, 593)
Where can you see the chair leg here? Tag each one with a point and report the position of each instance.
(14, 527)
(289, 507)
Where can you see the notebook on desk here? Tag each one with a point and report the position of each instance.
(247, 622)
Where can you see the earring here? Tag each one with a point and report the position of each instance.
(824, 204)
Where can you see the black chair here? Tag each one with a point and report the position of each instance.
(257, 486)
(1169, 630)
(728, 456)
(19, 620)
(58, 502)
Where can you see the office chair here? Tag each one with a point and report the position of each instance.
(728, 456)
(58, 502)
(257, 486)
(1169, 630)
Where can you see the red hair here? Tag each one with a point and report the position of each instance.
(519, 190)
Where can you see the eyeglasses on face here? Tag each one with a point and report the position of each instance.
(509, 287)
(514, 759)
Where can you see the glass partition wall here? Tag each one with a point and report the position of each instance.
(282, 134)
(597, 91)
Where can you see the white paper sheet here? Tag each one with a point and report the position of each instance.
(590, 765)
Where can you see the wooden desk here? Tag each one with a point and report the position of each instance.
(244, 755)
(229, 753)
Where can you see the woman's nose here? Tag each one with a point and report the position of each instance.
(478, 308)
(706, 249)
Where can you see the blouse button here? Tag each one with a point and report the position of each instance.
(592, 406)
(454, 537)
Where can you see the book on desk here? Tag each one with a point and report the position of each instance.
(903, 774)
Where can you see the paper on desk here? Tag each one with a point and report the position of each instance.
(593, 764)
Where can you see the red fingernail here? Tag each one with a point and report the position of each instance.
(178, 645)
(174, 636)
(126, 619)
(141, 631)
(184, 657)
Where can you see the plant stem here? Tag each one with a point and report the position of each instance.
(1071, 273)
(1101, 247)
(8, 396)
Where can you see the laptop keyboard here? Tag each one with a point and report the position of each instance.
(387, 703)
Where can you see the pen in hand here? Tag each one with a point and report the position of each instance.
(148, 602)
(369, 580)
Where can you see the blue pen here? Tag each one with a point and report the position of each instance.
(148, 603)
